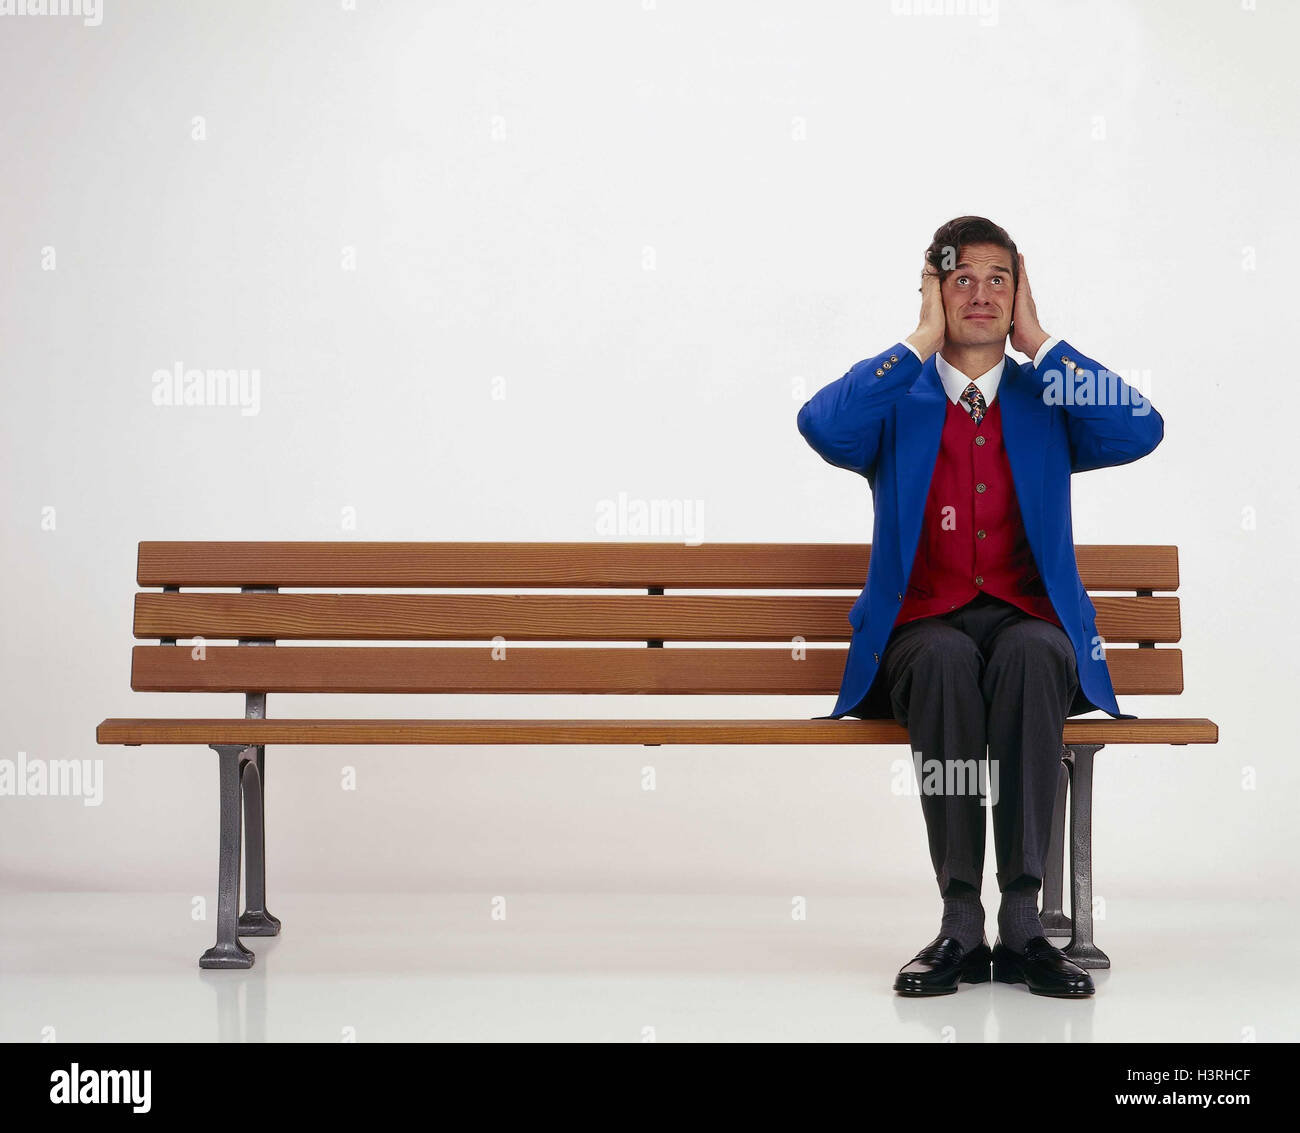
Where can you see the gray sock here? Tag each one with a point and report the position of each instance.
(1018, 920)
(963, 915)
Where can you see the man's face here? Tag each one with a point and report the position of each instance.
(979, 296)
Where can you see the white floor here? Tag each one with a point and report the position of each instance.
(603, 967)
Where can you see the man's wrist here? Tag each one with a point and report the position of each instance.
(1035, 343)
(1039, 356)
(923, 344)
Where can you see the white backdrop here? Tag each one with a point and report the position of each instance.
(498, 263)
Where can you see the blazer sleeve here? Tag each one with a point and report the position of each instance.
(1108, 422)
(843, 421)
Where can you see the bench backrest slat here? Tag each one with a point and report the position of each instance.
(628, 566)
(534, 669)
(556, 617)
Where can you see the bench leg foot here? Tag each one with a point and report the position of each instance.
(227, 952)
(1055, 922)
(1081, 948)
(258, 924)
(256, 920)
(227, 956)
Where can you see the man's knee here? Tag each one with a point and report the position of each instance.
(1036, 643)
(952, 656)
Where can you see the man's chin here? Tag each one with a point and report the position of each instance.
(975, 332)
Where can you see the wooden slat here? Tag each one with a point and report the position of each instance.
(1158, 620)
(1101, 731)
(793, 566)
(536, 669)
(515, 617)
(555, 617)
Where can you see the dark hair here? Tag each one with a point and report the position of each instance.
(964, 230)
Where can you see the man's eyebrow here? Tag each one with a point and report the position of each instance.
(996, 267)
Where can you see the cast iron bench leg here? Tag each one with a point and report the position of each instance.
(1055, 922)
(255, 920)
(227, 952)
(1081, 949)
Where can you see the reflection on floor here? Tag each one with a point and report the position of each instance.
(610, 967)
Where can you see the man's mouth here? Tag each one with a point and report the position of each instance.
(981, 316)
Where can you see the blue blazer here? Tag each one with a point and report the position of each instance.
(883, 420)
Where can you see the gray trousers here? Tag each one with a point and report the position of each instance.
(989, 680)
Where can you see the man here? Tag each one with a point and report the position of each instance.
(974, 630)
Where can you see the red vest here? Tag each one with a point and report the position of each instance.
(972, 536)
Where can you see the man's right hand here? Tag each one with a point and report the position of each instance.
(930, 330)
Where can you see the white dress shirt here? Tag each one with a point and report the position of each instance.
(955, 382)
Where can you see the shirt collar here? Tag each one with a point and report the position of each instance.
(955, 382)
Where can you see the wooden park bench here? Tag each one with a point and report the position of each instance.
(689, 634)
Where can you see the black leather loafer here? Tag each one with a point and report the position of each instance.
(941, 965)
(1044, 968)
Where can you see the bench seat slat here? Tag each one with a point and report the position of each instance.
(542, 669)
(222, 731)
(556, 617)
(773, 566)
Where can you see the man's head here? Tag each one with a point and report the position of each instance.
(979, 269)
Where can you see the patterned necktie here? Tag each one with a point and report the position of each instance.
(975, 400)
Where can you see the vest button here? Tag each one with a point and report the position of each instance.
(980, 439)
(979, 580)
(900, 597)
(981, 534)
(876, 656)
(981, 488)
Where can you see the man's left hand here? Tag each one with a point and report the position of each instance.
(1026, 333)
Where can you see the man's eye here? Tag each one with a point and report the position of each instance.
(962, 278)
(997, 278)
